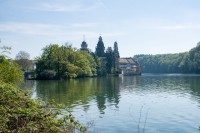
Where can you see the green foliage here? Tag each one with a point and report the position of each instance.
(116, 52)
(100, 48)
(100, 69)
(110, 60)
(66, 62)
(112, 57)
(20, 113)
(166, 63)
(194, 57)
(188, 62)
(10, 71)
(48, 74)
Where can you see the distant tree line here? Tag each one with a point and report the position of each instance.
(187, 62)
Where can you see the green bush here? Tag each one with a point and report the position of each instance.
(20, 113)
(10, 71)
(47, 74)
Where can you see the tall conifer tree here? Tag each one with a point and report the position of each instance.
(100, 48)
(116, 52)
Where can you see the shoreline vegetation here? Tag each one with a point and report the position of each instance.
(20, 113)
(185, 62)
(63, 62)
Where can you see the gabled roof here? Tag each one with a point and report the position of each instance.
(127, 61)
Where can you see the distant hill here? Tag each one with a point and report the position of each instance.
(186, 62)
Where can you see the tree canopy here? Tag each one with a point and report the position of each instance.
(112, 56)
(187, 62)
(100, 48)
(23, 59)
(64, 62)
(10, 71)
(116, 52)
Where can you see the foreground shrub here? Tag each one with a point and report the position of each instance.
(20, 113)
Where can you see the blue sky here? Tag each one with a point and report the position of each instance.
(139, 26)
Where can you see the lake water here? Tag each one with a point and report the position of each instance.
(168, 103)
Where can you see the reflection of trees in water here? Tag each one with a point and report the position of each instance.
(175, 84)
(130, 82)
(107, 91)
(104, 90)
(28, 85)
(68, 92)
(194, 88)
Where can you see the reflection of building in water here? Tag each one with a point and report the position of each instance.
(129, 66)
(130, 82)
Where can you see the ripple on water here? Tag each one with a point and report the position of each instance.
(154, 103)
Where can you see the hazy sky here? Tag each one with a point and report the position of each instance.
(139, 26)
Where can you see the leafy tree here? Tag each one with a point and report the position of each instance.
(88, 65)
(10, 71)
(194, 56)
(66, 62)
(101, 71)
(23, 59)
(100, 48)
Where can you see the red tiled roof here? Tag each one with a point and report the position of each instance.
(126, 60)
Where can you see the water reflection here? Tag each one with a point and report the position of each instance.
(173, 100)
(75, 92)
(107, 90)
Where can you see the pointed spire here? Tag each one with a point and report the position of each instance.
(83, 37)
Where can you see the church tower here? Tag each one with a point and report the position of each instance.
(84, 45)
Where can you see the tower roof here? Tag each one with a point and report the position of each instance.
(84, 46)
